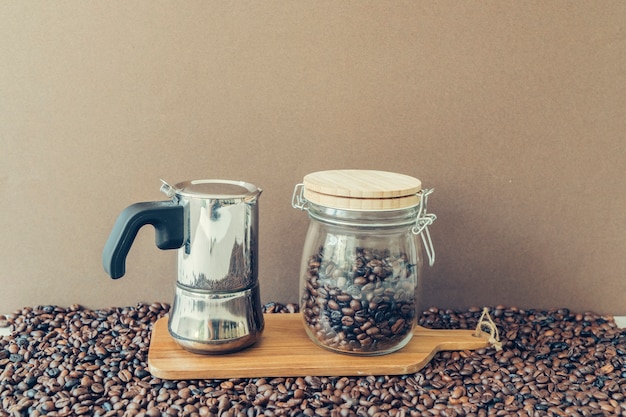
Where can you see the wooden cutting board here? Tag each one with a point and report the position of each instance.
(285, 350)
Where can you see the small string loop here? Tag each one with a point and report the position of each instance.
(494, 336)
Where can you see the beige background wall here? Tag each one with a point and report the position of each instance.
(515, 112)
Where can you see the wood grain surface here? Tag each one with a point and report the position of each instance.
(356, 183)
(356, 189)
(285, 350)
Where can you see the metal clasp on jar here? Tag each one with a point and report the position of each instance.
(297, 200)
(422, 221)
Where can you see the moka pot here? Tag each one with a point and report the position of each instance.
(214, 225)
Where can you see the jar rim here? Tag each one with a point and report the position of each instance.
(391, 218)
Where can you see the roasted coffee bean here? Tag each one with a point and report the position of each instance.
(587, 378)
(360, 280)
(347, 321)
(336, 315)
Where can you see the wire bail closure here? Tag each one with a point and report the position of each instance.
(297, 200)
(422, 221)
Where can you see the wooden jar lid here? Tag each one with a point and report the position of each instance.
(356, 189)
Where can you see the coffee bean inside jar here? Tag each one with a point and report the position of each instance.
(362, 259)
(365, 303)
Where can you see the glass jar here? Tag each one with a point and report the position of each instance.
(362, 260)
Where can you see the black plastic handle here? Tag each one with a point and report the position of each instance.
(168, 220)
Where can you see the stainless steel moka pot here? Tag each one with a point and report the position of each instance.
(214, 225)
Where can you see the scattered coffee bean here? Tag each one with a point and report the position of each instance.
(57, 378)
